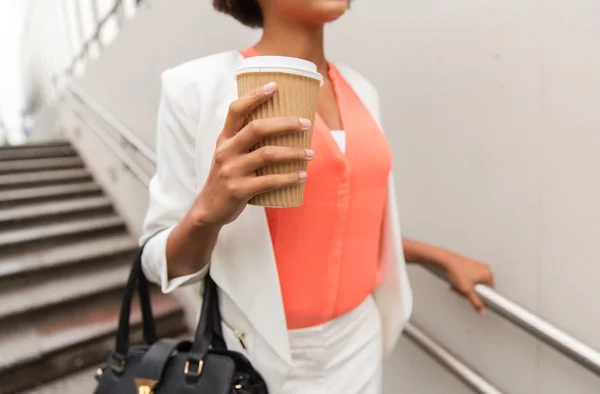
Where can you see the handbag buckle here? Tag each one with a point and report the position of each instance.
(187, 371)
(117, 363)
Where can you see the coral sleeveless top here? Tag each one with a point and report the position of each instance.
(327, 250)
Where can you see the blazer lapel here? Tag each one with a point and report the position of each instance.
(393, 296)
(245, 270)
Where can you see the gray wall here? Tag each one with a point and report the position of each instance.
(491, 108)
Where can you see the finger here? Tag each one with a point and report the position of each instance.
(259, 129)
(265, 183)
(477, 303)
(241, 108)
(274, 154)
(490, 279)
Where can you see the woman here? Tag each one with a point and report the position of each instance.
(314, 295)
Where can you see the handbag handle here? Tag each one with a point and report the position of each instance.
(209, 334)
(138, 280)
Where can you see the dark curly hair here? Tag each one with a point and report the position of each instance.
(247, 12)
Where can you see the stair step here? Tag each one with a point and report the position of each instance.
(36, 152)
(41, 177)
(62, 289)
(45, 192)
(38, 259)
(52, 209)
(56, 230)
(38, 144)
(15, 166)
(82, 381)
(46, 349)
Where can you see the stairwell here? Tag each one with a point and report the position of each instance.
(64, 261)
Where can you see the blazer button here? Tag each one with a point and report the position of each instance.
(241, 337)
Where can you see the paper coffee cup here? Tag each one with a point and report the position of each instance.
(298, 84)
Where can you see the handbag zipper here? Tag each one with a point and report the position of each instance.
(145, 386)
(144, 390)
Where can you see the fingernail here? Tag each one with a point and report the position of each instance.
(302, 175)
(268, 88)
(483, 313)
(305, 123)
(310, 153)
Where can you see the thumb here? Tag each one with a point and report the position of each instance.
(477, 303)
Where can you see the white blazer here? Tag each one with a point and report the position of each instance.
(194, 103)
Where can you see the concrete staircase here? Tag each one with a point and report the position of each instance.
(64, 259)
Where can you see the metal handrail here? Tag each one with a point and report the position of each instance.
(124, 132)
(95, 37)
(576, 350)
(449, 361)
(138, 171)
(548, 333)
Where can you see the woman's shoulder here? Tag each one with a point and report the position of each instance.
(187, 80)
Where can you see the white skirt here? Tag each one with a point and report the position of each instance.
(343, 356)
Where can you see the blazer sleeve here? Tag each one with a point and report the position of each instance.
(172, 189)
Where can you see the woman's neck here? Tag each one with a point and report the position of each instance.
(304, 42)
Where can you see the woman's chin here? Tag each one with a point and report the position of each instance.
(333, 9)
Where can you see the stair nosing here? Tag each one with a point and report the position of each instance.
(30, 192)
(110, 221)
(39, 144)
(104, 330)
(34, 164)
(40, 304)
(26, 178)
(36, 265)
(42, 152)
(28, 211)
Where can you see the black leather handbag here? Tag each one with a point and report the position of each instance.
(174, 366)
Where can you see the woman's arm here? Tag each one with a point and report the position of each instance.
(182, 225)
(189, 247)
(463, 273)
(232, 180)
(172, 189)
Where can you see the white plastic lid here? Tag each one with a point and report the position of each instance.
(282, 64)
